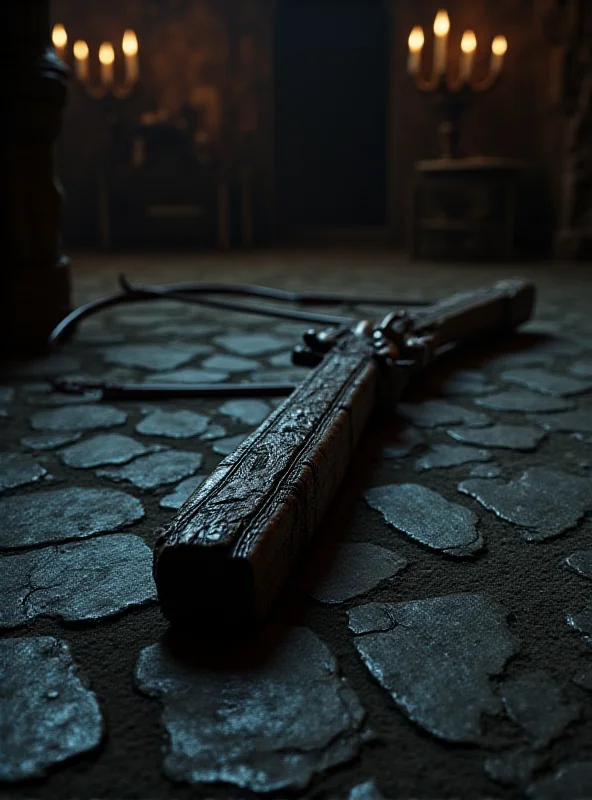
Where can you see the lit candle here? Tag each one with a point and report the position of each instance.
(441, 30)
(468, 46)
(81, 60)
(416, 42)
(129, 45)
(499, 47)
(59, 38)
(106, 57)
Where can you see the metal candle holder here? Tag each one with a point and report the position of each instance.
(79, 61)
(452, 94)
(108, 93)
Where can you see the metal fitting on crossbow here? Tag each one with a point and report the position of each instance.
(316, 345)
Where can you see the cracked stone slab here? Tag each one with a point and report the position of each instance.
(581, 562)
(573, 781)
(529, 358)
(435, 658)
(560, 346)
(547, 382)
(521, 400)
(249, 412)
(223, 447)
(450, 455)
(18, 469)
(181, 424)
(61, 514)
(184, 322)
(486, 471)
(47, 366)
(466, 382)
(48, 714)
(182, 492)
(156, 469)
(6, 394)
(55, 581)
(78, 418)
(513, 769)
(107, 375)
(582, 622)
(49, 441)
(252, 344)
(407, 440)
(434, 413)
(189, 375)
(282, 360)
(545, 503)
(187, 329)
(264, 717)
(568, 422)
(368, 790)
(153, 357)
(214, 431)
(64, 399)
(581, 369)
(105, 448)
(224, 363)
(354, 569)
(427, 518)
(36, 387)
(506, 437)
(91, 335)
(538, 705)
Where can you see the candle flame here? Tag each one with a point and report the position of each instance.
(106, 53)
(442, 23)
(416, 39)
(59, 37)
(80, 50)
(499, 46)
(129, 43)
(469, 42)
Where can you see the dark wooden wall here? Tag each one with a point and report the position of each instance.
(227, 45)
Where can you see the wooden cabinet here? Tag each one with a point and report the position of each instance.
(463, 209)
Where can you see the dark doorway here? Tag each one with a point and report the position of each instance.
(331, 96)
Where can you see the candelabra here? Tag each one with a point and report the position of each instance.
(452, 94)
(110, 94)
(80, 62)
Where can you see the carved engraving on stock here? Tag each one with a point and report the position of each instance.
(263, 502)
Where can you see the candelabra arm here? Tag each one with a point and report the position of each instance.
(124, 91)
(486, 83)
(428, 84)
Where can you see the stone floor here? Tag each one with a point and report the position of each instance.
(434, 643)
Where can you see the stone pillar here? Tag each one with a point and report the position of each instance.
(34, 276)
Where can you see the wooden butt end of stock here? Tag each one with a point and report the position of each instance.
(521, 301)
(205, 587)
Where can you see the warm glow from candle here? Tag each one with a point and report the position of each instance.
(442, 24)
(106, 53)
(129, 44)
(59, 37)
(416, 39)
(469, 42)
(80, 50)
(499, 46)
